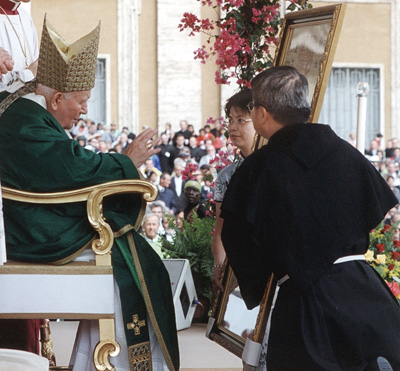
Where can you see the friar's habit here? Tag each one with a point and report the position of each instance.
(296, 205)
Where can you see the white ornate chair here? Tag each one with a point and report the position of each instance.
(77, 290)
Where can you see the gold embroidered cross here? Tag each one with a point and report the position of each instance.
(136, 324)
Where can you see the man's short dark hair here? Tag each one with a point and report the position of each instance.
(283, 92)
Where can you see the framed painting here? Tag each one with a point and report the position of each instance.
(308, 41)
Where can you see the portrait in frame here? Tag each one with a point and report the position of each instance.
(308, 41)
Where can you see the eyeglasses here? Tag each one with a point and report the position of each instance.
(239, 122)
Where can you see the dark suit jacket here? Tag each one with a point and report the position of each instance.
(168, 197)
(180, 202)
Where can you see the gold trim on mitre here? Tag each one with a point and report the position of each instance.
(67, 67)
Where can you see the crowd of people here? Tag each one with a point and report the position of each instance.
(386, 160)
(167, 168)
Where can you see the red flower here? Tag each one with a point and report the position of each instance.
(396, 243)
(394, 287)
(391, 267)
(380, 247)
(386, 228)
(395, 255)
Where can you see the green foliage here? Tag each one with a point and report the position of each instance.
(193, 242)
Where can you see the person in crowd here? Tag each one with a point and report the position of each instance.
(200, 139)
(93, 145)
(392, 170)
(352, 139)
(166, 155)
(156, 162)
(192, 191)
(153, 178)
(79, 129)
(106, 135)
(207, 191)
(19, 49)
(33, 138)
(149, 168)
(114, 130)
(190, 128)
(150, 227)
(184, 131)
(117, 147)
(374, 148)
(103, 147)
(281, 215)
(158, 207)
(241, 132)
(211, 152)
(381, 156)
(195, 151)
(179, 139)
(176, 186)
(81, 140)
(389, 215)
(92, 131)
(123, 140)
(396, 190)
(185, 156)
(396, 155)
(208, 134)
(389, 149)
(165, 194)
(396, 219)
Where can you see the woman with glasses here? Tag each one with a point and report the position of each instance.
(241, 133)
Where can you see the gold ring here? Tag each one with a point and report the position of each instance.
(149, 145)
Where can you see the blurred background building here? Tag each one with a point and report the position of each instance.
(146, 74)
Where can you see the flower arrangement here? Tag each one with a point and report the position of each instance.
(242, 38)
(384, 254)
(193, 242)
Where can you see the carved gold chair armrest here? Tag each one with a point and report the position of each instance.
(94, 197)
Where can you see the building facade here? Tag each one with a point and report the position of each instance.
(147, 75)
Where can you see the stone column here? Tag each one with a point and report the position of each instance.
(128, 64)
(179, 75)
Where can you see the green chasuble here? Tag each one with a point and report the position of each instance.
(37, 155)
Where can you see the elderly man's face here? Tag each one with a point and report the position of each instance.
(178, 171)
(68, 107)
(150, 226)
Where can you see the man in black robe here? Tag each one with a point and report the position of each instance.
(302, 207)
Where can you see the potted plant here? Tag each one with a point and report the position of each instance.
(193, 242)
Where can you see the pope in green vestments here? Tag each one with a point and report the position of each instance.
(37, 155)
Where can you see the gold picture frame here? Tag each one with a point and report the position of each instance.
(308, 41)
